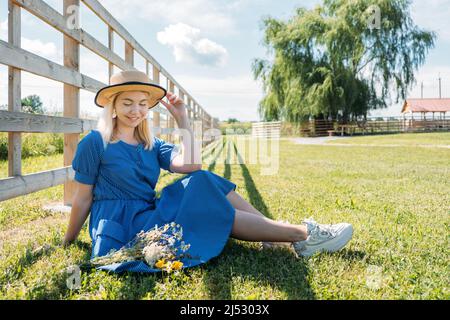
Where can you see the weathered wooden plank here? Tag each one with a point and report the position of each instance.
(17, 186)
(37, 123)
(27, 122)
(30, 62)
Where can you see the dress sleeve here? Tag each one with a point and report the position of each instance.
(86, 162)
(166, 152)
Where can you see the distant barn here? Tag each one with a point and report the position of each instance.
(426, 106)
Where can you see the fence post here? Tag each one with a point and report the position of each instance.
(171, 119)
(156, 115)
(14, 92)
(111, 47)
(71, 97)
(183, 97)
(129, 54)
(191, 112)
(202, 118)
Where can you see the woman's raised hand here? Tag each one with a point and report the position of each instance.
(176, 107)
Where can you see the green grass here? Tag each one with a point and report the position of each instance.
(397, 199)
(35, 144)
(404, 139)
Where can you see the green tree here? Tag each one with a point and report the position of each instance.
(232, 120)
(32, 104)
(328, 62)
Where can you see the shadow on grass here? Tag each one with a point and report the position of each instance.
(212, 165)
(256, 199)
(278, 268)
(213, 150)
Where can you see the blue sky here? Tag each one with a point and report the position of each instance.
(207, 45)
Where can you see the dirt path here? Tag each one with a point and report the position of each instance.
(323, 141)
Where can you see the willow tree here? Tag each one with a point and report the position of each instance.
(340, 59)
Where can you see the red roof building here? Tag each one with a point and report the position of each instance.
(426, 105)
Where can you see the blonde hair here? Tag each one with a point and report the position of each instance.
(106, 125)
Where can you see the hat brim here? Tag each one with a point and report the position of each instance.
(156, 92)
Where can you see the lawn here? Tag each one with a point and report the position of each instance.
(397, 198)
(441, 139)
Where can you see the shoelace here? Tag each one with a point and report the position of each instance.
(318, 230)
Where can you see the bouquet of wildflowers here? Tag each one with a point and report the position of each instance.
(160, 247)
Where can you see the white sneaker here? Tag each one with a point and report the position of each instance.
(321, 237)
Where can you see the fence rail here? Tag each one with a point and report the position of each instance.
(17, 59)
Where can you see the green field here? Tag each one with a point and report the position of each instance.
(397, 198)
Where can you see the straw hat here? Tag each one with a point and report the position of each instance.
(130, 80)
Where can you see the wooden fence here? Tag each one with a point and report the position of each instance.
(314, 128)
(17, 59)
(269, 130)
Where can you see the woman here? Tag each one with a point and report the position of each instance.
(116, 170)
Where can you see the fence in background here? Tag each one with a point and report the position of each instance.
(314, 128)
(269, 130)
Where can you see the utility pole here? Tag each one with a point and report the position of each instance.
(421, 90)
(440, 86)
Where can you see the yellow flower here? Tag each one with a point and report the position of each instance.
(177, 265)
(160, 264)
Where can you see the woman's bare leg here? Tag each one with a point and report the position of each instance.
(252, 227)
(241, 204)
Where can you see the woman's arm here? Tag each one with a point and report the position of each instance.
(189, 160)
(81, 206)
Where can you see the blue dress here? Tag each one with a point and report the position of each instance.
(124, 200)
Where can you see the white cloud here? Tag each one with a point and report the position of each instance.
(44, 49)
(189, 46)
(207, 15)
